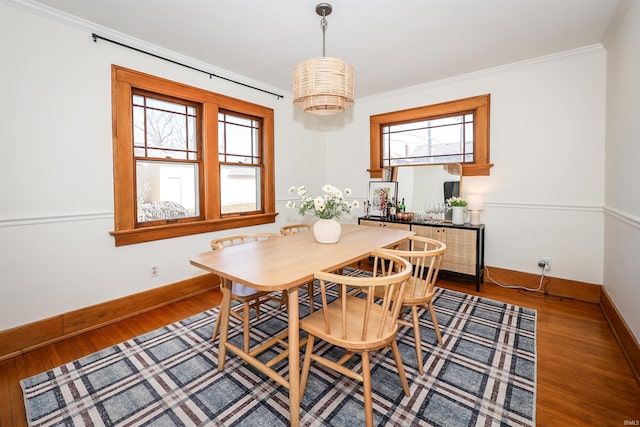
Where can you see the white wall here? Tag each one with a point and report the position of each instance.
(622, 220)
(56, 196)
(544, 196)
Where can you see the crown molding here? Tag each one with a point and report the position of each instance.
(84, 25)
(559, 56)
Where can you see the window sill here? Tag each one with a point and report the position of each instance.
(168, 231)
(468, 169)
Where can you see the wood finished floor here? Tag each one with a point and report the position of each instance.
(583, 378)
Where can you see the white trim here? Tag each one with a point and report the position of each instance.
(585, 50)
(584, 208)
(14, 222)
(623, 216)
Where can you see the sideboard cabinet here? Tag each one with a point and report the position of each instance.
(465, 244)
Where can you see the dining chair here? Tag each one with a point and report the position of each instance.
(295, 228)
(359, 324)
(249, 297)
(425, 255)
(288, 230)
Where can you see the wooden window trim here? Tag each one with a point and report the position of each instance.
(478, 104)
(125, 232)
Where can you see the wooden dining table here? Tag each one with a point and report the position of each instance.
(283, 264)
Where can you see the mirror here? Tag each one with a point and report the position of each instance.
(421, 185)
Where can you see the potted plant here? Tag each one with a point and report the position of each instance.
(457, 205)
(327, 208)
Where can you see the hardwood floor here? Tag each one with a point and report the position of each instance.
(582, 375)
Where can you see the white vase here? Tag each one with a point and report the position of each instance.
(327, 231)
(457, 218)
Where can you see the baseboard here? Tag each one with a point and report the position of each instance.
(552, 285)
(24, 338)
(627, 341)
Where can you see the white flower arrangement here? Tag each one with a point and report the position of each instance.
(329, 206)
(457, 201)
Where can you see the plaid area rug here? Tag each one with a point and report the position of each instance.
(484, 374)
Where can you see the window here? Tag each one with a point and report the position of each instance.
(239, 157)
(176, 172)
(451, 132)
(165, 148)
(438, 140)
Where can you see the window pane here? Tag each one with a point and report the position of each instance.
(428, 141)
(166, 105)
(240, 189)
(138, 100)
(238, 139)
(166, 190)
(166, 154)
(164, 129)
(237, 159)
(191, 134)
(138, 126)
(243, 121)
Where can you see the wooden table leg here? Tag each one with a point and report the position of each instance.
(294, 356)
(225, 308)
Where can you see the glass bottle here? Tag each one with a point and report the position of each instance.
(392, 208)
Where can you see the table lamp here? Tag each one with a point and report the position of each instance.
(475, 204)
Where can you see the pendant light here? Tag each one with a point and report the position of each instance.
(323, 85)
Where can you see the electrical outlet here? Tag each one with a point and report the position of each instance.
(545, 263)
(153, 272)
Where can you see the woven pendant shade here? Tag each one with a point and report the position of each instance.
(323, 86)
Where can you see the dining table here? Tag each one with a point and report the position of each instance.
(284, 264)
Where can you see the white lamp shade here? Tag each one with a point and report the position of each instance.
(475, 202)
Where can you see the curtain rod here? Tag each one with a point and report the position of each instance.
(211, 75)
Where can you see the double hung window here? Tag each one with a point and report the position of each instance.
(186, 160)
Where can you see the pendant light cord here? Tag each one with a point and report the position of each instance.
(323, 25)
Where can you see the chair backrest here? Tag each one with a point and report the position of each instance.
(366, 317)
(238, 239)
(426, 256)
(295, 228)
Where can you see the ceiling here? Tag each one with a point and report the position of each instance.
(391, 44)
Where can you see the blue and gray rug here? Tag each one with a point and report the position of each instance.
(485, 374)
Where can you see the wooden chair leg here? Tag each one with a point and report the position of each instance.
(282, 301)
(434, 319)
(256, 306)
(400, 367)
(417, 338)
(311, 297)
(246, 318)
(366, 385)
(223, 319)
(216, 328)
(306, 364)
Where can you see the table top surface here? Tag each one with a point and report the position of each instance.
(290, 261)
